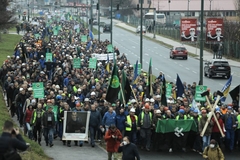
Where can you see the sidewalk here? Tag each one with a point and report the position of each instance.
(207, 56)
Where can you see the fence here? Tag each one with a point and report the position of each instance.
(230, 49)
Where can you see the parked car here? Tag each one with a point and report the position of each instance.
(95, 22)
(179, 51)
(138, 29)
(107, 28)
(217, 68)
(102, 24)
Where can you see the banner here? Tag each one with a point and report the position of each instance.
(214, 29)
(76, 63)
(38, 90)
(48, 57)
(75, 125)
(188, 29)
(198, 91)
(177, 126)
(92, 63)
(103, 57)
(168, 90)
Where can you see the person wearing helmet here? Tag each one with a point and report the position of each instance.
(145, 124)
(131, 126)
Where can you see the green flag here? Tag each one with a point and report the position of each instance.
(126, 89)
(110, 48)
(149, 84)
(177, 126)
(114, 86)
(163, 96)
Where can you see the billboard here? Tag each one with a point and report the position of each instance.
(188, 29)
(214, 29)
(75, 126)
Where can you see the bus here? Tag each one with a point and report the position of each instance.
(159, 17)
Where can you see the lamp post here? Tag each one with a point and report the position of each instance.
(28, 11)
(98, 20)
(210, 6)
(188, 8)
(201, 45)
(141, 34)
(111, 8)
(91, 15)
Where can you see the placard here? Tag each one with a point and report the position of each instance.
(75, 125)
(214, 29)
(92, 63)
(38, 90)
(188, 29)
(76, 63)
(198, 91)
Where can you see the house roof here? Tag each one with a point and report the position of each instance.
(194, 5)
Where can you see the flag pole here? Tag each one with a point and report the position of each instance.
(134, 94)
(123, 97)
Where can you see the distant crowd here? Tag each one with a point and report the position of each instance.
(84, 89)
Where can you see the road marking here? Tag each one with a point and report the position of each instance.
(175, 62)
(180, 65)
(187, 68)
(194, 72)
(133, 47)
(135, 55)
(146, 54)
(222, 84)
(156, 68)
(147, 62)
(168, 76)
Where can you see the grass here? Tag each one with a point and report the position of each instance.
(7, 44)
(35, 152)
(159, 42)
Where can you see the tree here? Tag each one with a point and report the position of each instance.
(7, 18)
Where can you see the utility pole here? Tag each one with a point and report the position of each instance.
(28, 11)
(111, 9)
(154, 24)
(210, 6)
(98, 8)
(87, 15)
(91, 15)
(141, 34)
(201, 45)
(188, 8)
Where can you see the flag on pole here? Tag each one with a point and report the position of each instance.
(235, 94)
(149, 85)
(114, 86)
(180, 87)
(163, 95)
(91, 34)
(126, 89)
(225, 90)
(108, 64)
(135, 78)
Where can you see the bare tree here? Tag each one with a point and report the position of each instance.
(7, 18)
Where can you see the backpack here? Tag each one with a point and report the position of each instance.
(217, 151)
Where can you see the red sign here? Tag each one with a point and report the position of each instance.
(188, 29)
(214, 29)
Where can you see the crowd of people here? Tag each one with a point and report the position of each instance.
(85, 89)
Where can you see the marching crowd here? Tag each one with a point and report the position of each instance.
(85, 89)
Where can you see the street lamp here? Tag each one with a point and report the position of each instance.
(98, 8)
(201, 45)
(188, 8)
(141, 34)
(111, 8)
(210, 6)
(91, 15)
(28, 11)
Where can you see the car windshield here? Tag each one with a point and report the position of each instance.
(180, 48)
(221, 63)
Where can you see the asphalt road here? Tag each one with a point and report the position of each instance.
(188, 70)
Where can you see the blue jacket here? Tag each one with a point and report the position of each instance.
(65, 81)
(42, 61)
(120, 121)
(109, 119)
(95, 119)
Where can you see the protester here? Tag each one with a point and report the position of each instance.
(213, 151)
(113, 138)
(129, 150)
